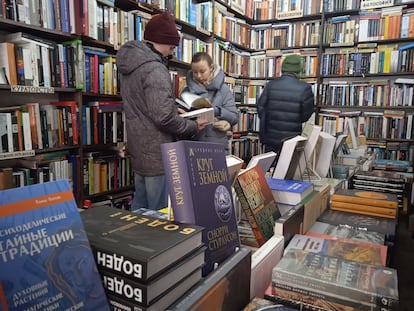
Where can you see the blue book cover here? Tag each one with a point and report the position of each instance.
(201, 194)
(45, 257)
(289, 191)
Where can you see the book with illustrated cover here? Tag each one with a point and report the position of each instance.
(348, 232)
(378, 199)
(364, 252)
(371, 223)
(350, 283)
(46, 261)
(201, 194)
(289, 191)
(135, 246)
(257, 202)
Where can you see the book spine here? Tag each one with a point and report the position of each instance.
(364, 209)
(365, 201)
(176, 171)
(249, 214)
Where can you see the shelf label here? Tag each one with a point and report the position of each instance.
(16, 154)
(32, 89)
(373, 4)
(290, 14)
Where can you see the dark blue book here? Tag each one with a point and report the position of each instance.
(289, 191)
(46, 261)
(201, 194)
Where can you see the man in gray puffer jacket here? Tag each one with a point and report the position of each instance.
(286, 102)
(150, 110)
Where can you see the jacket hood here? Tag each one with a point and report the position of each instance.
(134, 54)
(215, 83)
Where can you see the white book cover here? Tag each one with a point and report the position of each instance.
(263, 160)
(203, 113)
(289, 157)
(263, 261)
(323, 151)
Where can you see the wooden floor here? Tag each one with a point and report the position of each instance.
(403, 261)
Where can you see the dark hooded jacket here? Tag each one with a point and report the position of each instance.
(150, 110)
(222, 100)
(286, 102)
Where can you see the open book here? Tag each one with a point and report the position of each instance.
(190, 101)
(202, 113)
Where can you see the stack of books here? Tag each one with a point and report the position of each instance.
(289, 191)
(143, 261)
(365, 202)
(382, 181)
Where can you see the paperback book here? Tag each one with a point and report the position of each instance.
(138, 247)
(350, 283)
(46, 261)
(201, 194)
(257, 202)
(373, 198)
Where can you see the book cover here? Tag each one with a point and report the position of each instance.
(348, 232)
(364, 209)
(201, 194)
(370, 253)
(289, 191)
(312, 205)
(366, 197)
(351, 283)
(263, 261)
(226, 288)
(136, 246)
(234, 164)
(145, 294)
(290, 223)
(371, 223)
(190, 101)
(162, 303)
(264, 160)
(202, 113)
(257, 202)
(46, 261)
(289, 158)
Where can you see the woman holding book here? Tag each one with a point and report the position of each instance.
(206, 79)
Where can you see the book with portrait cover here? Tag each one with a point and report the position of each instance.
(139, 247)
(331, 278)
(257, 202)
(364, 252)
(373, 198)
(46, 260)
(201, 194)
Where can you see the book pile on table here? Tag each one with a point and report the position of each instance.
(143, 261)
(365, 202)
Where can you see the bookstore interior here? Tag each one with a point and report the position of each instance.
(312, 228)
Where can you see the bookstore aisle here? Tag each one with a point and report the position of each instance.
(403, 261)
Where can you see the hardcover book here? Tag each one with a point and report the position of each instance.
(263, 261)
(289, 191)
(290, 223)
(351, 283)
(226, 288)
(264, 160)
(145, 294)
(201, 194)
(135, 246)
(173, 294)
(370, 253)
(257, 202)
(378, 199)
(52, 267)
(348, 232)
(370, 223)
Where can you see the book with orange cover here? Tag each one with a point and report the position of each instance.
(364, 209)
(379, 199)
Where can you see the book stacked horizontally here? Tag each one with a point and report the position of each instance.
(365, 202)
(289, 191)
(334, 274)
(144, 262)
